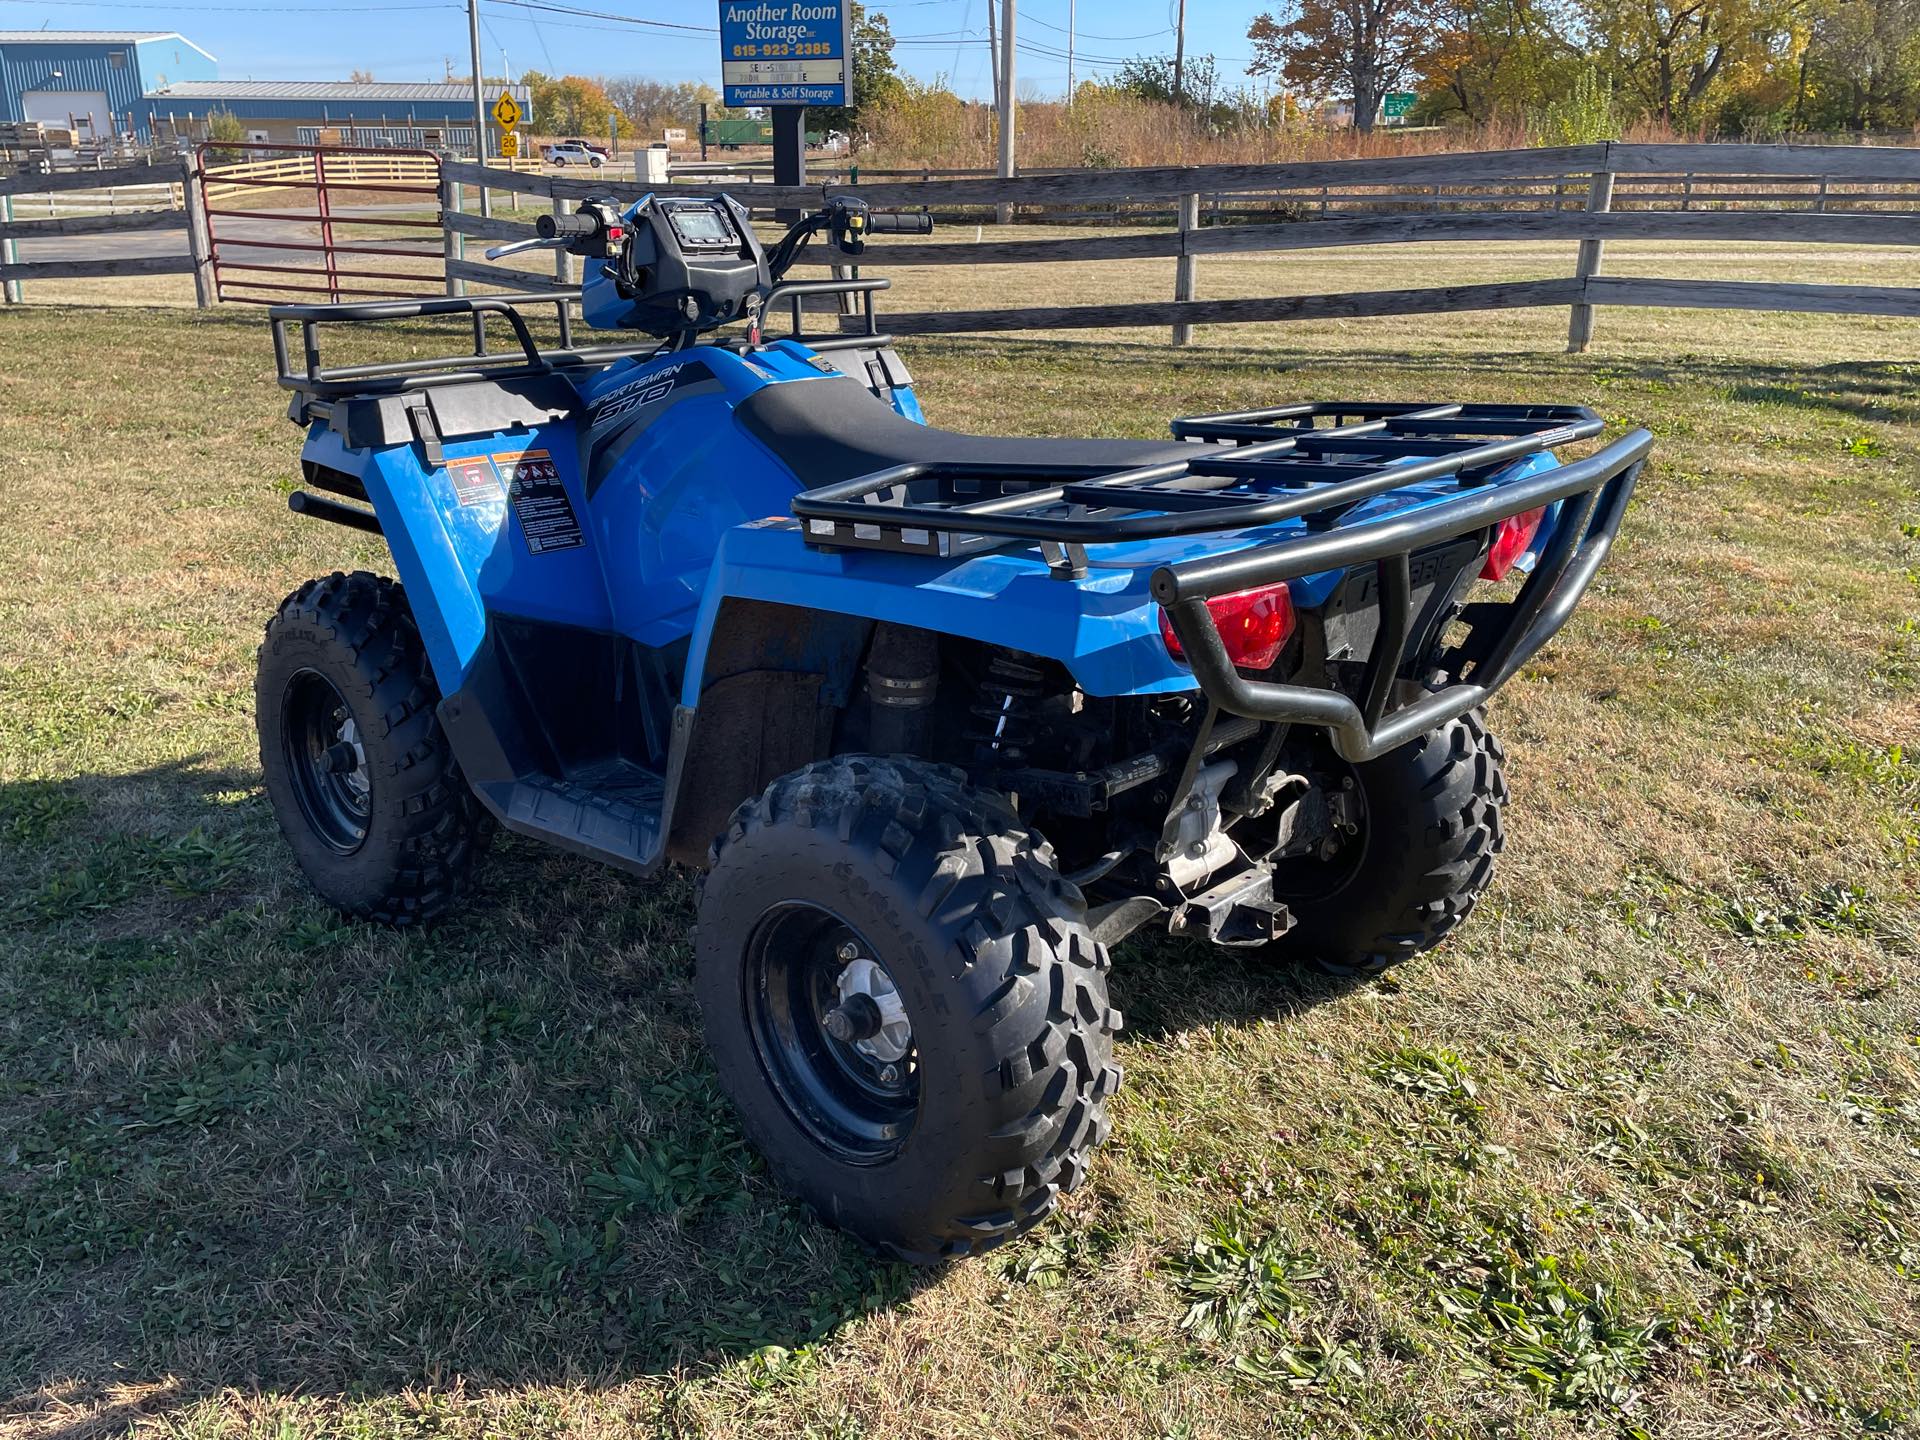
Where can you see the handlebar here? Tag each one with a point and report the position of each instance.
(921, 224)
(552, 227)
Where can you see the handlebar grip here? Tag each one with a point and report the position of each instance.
(900, 225)
(550, 226)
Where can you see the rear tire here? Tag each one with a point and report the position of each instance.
(1428, 840)
(971, 1135)
(361, 777)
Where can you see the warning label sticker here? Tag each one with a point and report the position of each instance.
(475, 481)
(540, 500)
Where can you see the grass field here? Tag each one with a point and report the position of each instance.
(1637, 1153)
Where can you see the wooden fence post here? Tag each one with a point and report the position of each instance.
(1580, 322)
(453, 244)
(1184, 268)
(10, 252)
(199, 237)
(562, 260)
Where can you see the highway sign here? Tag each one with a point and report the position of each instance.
(786, 52)
(509, 143)
(506, 111)
(1398, 104)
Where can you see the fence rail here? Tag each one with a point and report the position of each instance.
(1584, 194)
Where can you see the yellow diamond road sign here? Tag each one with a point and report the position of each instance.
(506, 110)
(509, 144)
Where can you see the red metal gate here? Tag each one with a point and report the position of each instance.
(345, 222)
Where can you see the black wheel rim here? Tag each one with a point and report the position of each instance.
(326, 762)
(852, 1098)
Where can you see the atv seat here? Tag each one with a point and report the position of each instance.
(825, 432)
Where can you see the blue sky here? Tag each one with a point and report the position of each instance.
(415, 39)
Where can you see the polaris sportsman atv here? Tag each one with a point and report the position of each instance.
(942, 717)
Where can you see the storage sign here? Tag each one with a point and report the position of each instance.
(786, 52)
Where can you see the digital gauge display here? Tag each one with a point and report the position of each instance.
(701, 228)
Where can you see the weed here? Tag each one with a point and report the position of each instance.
(1570, 1346)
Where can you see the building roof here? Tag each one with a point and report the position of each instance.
(93, 37)
(321, 90)
(81, 37)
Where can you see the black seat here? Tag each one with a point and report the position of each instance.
(828, 431)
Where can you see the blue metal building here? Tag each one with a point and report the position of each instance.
(71, 77)
(297, 112)
(160, 86)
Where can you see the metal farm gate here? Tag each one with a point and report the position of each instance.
(343, 222)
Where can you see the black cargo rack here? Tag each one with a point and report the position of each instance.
(321, 382)
(1312, 462)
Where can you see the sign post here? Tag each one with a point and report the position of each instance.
(506, 114)
(1396, 105)
(786, 55)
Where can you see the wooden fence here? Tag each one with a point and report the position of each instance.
(1724, 195)
(171, 204)
(1585, 194)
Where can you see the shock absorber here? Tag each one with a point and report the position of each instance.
(903, 678)
(1003, 724)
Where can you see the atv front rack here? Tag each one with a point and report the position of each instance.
(1312, 463)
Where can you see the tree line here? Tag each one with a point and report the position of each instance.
(1567, 71)
(1752, 69)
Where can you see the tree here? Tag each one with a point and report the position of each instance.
(1493, 57)
(1150, 77)
(1861, 67)
(653, 105)
(360, 77)
(225, 126)
(1340, 48)
(1669, 54)
(571, 105)
(876, 81)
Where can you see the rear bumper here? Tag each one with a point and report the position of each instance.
(1504, 637)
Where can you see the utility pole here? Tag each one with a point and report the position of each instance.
(1179, 53)
(479, 102)
(1007, 103)
(1073, 24)
(993, 58)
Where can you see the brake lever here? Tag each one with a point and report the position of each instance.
(500, 252)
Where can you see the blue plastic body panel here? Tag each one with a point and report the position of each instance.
(678, 509)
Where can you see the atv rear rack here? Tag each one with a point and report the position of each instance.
(1308, 462)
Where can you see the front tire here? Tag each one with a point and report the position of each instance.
(1429, 833)
(359, 773)
(977, 1090)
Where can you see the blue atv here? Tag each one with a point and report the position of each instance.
(941, 717)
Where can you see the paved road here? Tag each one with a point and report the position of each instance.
(289, 232)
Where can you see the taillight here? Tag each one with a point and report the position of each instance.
(1253, 625)
(1510, 542)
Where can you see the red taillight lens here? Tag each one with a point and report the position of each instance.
(1253, 625)
(1510, 542)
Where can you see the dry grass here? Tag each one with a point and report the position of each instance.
(1635, 1154)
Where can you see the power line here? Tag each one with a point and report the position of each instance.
(1084, 35)
(550, 8)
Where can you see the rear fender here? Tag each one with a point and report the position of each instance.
(1105, 628)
